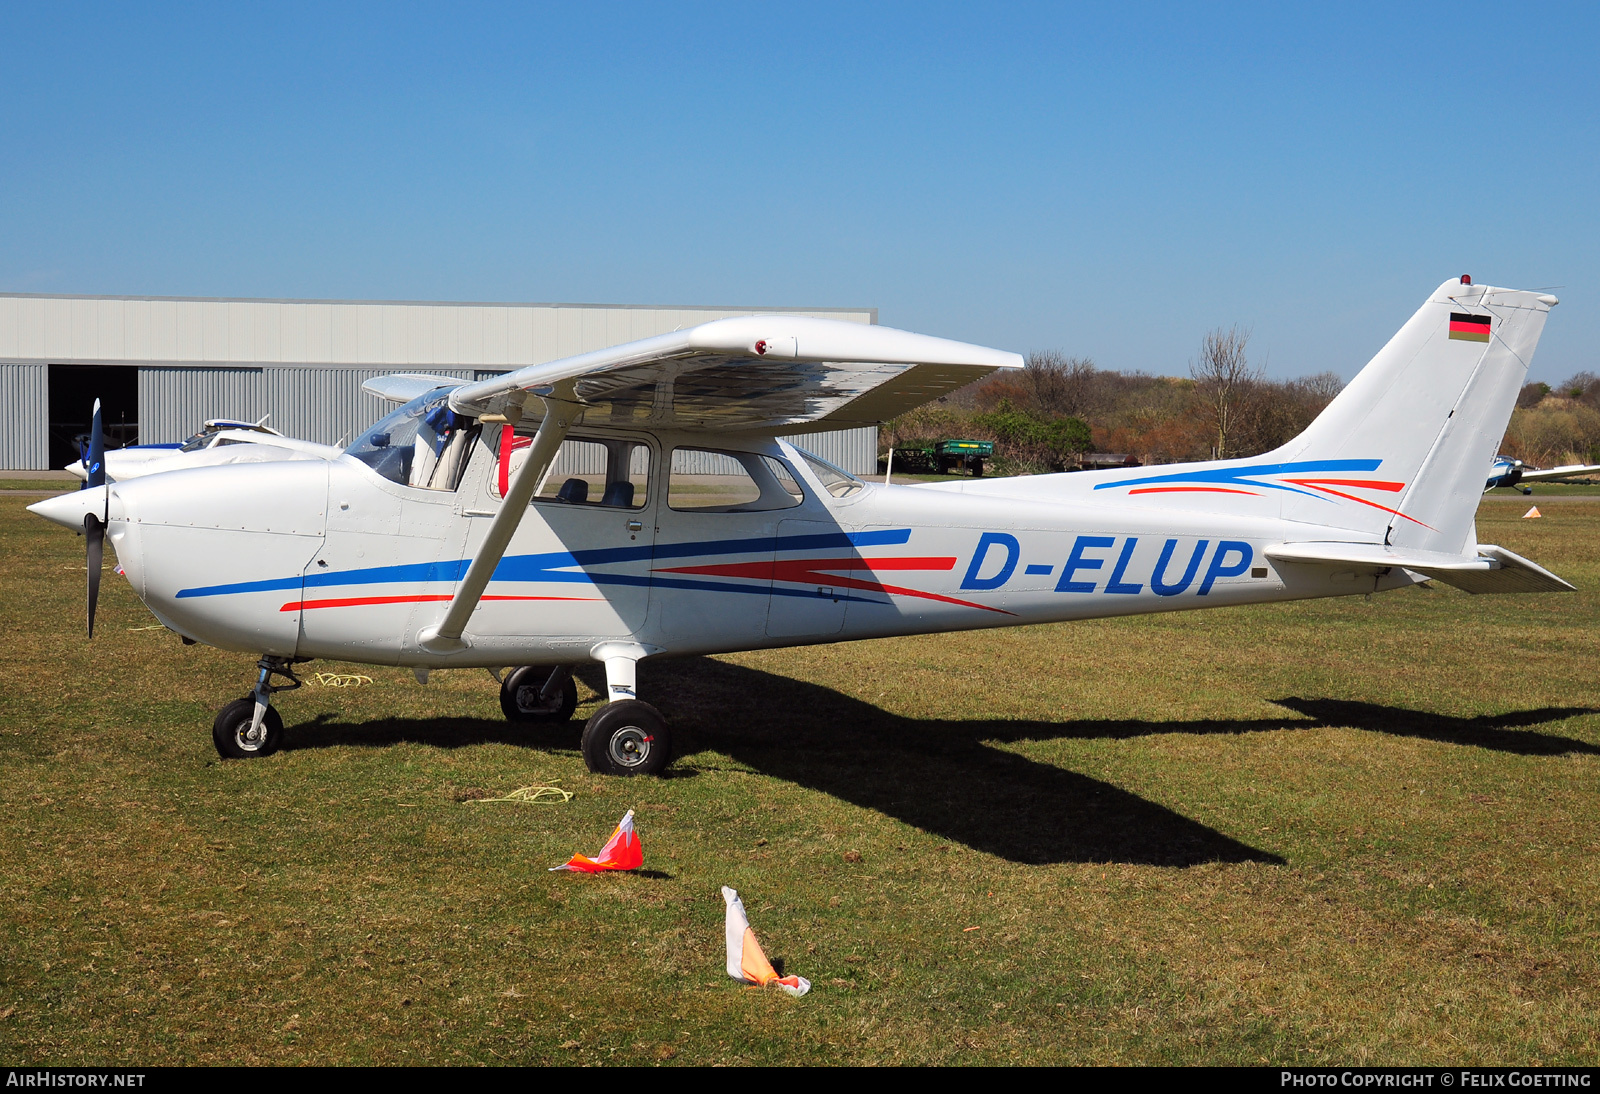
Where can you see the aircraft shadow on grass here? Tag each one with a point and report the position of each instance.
(942, 776)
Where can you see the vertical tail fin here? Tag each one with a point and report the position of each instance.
(1427, 414)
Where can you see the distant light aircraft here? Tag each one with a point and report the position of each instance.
(220, 441)
(1508, 471)
(229, 441)
(446, 537)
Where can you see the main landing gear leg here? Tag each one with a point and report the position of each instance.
(626, 736)
(249, 726)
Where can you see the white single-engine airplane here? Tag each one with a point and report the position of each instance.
(635, 502)
(220, 441)
(1512, 472)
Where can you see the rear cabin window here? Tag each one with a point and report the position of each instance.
(706, 481)
(614, 474)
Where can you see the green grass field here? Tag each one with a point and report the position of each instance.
(1353, 831)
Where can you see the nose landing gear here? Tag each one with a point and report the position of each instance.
(249, 726)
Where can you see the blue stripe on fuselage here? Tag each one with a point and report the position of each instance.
(557, 565)
(1245, 476)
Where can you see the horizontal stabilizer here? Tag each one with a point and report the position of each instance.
(1492, 570)
(402, 387)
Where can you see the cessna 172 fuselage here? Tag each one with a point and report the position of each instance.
(637, 503)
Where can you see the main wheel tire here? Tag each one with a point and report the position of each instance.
(231, 731)
(519, 697)
(628, 737)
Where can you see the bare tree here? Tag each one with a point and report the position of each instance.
(1060, 386)
(1321, 389)
(1225, 380)
(1585, 386)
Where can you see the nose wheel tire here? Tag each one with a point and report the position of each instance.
(628, 737)
(232, 735)
(519, 697)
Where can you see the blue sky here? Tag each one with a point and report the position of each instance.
(1109, 180)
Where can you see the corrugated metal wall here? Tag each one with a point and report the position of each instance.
(25, 400)
(174, 401)
(315, 404)
(853, 450)
(327, 404)
(303, 361)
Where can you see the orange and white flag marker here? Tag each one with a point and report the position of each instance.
(746, 961)
(621, 852)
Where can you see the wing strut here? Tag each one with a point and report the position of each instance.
(445, 637)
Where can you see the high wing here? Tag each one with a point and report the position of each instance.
(767, 372)
(1558, 474)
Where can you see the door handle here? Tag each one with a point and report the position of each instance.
(635, 526)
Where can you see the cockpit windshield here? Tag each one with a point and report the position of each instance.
(423, 444)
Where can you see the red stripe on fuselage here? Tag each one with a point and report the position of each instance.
(814, 571)
(1192, 490)
(1368, 484)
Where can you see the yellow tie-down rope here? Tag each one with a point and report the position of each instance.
(530, 795)
(341, 679)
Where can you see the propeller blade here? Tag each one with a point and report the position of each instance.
(94, 528)
(94, 533)
(95, 464)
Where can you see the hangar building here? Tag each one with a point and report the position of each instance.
(162, 365)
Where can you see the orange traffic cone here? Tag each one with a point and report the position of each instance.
(1531, 513)
(621, 852)
(746, 961)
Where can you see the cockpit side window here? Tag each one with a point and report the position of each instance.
(613, 473)
(836, 481)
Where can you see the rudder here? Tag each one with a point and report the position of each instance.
(1432, 407)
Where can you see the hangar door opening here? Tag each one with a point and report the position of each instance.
(72, 392)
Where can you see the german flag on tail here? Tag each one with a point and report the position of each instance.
(1469, 328)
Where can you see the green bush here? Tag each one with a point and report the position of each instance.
(1033, 440)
